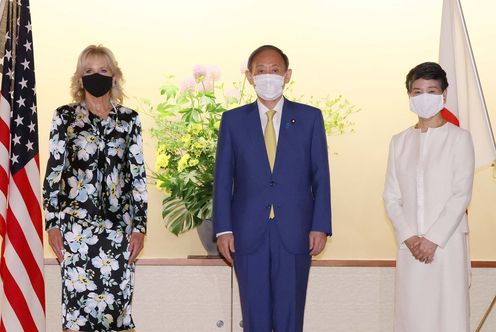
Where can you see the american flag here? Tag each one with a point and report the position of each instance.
(21, 267)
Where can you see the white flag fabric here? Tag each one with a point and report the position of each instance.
(465, 97)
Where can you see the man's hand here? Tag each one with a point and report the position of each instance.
(225, 243)
(318, 241)
(427, 250)
(136, 244)
(56, 242)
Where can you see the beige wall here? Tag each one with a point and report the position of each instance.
(361, 49)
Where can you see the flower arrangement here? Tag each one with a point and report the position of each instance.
(186, 128)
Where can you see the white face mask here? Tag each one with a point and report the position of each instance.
(268, 86)
(426, 105)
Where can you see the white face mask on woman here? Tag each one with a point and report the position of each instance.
(268, 86)
(426, 105)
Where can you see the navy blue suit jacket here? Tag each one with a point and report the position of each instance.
(298, 187)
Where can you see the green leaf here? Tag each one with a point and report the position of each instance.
(178, 218)
(169, 90)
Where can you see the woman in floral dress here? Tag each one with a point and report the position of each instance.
(95, 197)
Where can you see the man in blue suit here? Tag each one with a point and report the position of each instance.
(272, 208)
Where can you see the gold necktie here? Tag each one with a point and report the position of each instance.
(270, 145)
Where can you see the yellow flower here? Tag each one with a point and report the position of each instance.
(193, 162)
(195, 128)
(183, 162)
(162, 161)
(160, 149)
(159, 187)
(200, 144)
(186, 139)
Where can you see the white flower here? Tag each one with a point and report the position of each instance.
(81, 117)
(55, 175)
(124, 318)
(79, 239)
(115, 183)
(122, 126)
(81, 185)
(137, 170)
(126, 283)
(136, 149)
(139, 191)
(128, 221)
(105, 263)
(99, 301)
(116, 236)
(107, 319)
(49, 216)
(75, 321)
(64, 309)
(125, 110)
(57, 121)
(56, 147)
(117, 147)
(78, 213)
(103, 225)
(87, 145)
(126, 255)
(78, 280)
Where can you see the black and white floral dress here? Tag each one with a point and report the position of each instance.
(95, 193)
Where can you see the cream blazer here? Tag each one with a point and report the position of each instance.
(429, 183)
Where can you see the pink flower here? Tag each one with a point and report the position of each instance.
(199, 72)
(187, 85)
(213, 73)
(233, 93)
(206, 86)
(243, 67)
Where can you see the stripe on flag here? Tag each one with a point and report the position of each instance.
(21, 266)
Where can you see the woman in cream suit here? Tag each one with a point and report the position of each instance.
(427, 190)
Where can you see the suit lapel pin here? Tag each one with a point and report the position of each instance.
(293, 121)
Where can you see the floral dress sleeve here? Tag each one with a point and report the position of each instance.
(57, 162)
(139, 197)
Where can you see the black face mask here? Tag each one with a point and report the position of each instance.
(96, 84)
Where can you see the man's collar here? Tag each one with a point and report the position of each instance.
(278, 107)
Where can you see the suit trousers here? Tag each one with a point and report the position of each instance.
(272, 285)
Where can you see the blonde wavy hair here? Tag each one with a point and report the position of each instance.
(77, 91)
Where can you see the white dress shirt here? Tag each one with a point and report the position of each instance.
(276, 120)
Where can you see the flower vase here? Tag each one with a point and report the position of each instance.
(207, 237)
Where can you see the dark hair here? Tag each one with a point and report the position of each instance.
(264, 48)
(427, 71)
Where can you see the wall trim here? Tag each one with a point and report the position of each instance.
(214, 261)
